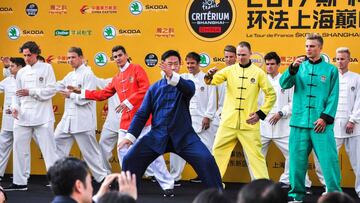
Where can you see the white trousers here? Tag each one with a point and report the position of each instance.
(352, 148)
(282, 143)
(43, 134)
(157, 167)
(177, 163)
(88, 146)
(107, 142)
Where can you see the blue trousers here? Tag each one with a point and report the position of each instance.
(196, 154)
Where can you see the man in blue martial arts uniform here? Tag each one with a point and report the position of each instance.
(171, 129)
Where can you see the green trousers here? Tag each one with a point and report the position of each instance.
(302, 141)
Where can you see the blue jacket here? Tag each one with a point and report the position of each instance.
(63, 199)
(168, 102)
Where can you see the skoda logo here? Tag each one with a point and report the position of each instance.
(135, 7)
(100, 59)
(13, 32)
(109, 32)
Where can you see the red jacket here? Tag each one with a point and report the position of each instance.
(130, 85)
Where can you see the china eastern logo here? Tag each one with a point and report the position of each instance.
(135, 7)
(100, 59)
(204, 60)
(109, 32)
(13, 32)
(210, 20)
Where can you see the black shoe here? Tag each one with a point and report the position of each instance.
(177, 183)
(308, 191)
(169, 193)
(284, 185)
(13, 187)
(153, 179)
(195, 180)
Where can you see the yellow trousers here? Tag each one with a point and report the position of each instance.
(225, 141)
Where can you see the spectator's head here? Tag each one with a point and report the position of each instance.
(116, 197)
(30, 50)
(253, 192)
(274, 193)
(211, 196)
(3, 197)
(71, 177)
(335, 197)
(172, 58)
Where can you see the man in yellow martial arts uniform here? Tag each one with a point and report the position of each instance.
(240, 114)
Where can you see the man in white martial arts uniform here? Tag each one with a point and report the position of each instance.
(202, 110)
(230, 59)
(33, 113)
(347, 119)
(109, 132)
(79, 118)
(275, 127)
(8, 86)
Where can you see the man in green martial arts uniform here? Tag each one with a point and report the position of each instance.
(314, 106)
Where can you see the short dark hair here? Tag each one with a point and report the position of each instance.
(64, 173)
(230, 48)
(245, 44)
(117, 48)
(114, 197)
(272, 55)
(253, 191)
(18, 61)
(76, 50)
(211, 196)
(193, 55)
(336, 197)
(169, 53)
(274, 193)
(32, 46)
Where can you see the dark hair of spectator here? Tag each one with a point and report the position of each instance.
(64, 173)
(76, 50)
(272, 55)
(211, 196)
(193, 55)
(116, 197)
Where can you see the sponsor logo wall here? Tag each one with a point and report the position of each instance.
(147, 28)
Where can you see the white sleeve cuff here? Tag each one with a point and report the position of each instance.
(352, 120)
(130, 137)
(128, 104)
(32, 92)
(82, 94)
(174, 80)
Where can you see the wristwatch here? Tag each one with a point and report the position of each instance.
(281, 113)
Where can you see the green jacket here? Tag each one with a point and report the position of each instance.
(316, 92)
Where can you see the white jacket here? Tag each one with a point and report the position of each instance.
(35, 109)
(283, 103)
(8, 86)
(113, 119)
(348, 105)
(79, 114)
(203, 103)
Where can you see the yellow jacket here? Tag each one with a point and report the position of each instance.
(241, 98)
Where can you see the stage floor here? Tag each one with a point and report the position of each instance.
(149, 192)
